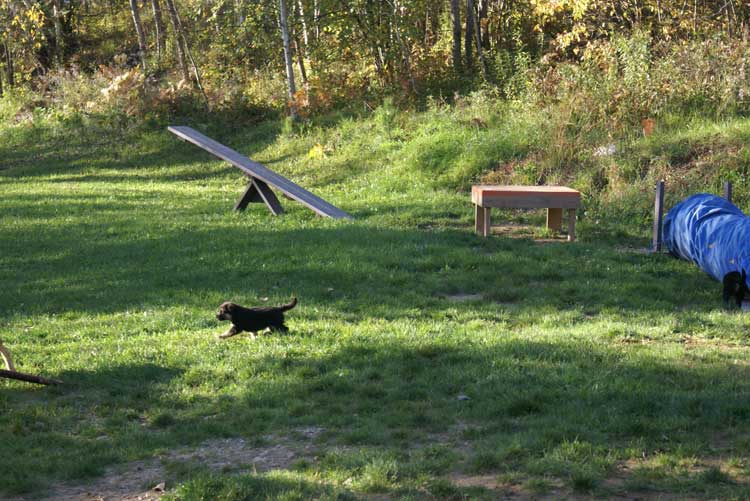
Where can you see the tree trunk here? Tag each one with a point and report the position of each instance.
(301, 11)
(300, 60)
(299, 48)
(288, 60)
(179, 40)
(59, 38)
(9, 70)
(140, 32)
(434, 21)
(469, 34)
(478, 39)
(456, 22)
(239, 9)
(186, 49)
(485, 36)
(404, 50)
(161, 32)
(316, 19)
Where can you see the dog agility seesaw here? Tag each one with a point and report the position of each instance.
(260, 178)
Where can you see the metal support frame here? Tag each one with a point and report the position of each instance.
(658, 216)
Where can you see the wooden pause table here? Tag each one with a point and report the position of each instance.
(552, 198)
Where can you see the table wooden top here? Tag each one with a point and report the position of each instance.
(525, 197)
(515, 190)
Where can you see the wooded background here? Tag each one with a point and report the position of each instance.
(333, 51)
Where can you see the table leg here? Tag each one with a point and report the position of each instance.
(571, 225)
(554, 219)
(482, 220)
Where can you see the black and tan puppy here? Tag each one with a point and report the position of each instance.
(253, 320)
(735, 288)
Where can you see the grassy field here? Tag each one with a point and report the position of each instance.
(423, 361)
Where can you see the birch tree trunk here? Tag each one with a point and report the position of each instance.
(179, 40)
(161, 32)
(288, 60)
(140, 32)
(301, 11)
(59, 39)
(316, 19)
(298, 47)
(186, 52)
(456, 23)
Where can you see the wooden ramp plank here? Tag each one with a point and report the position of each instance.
(256, 170)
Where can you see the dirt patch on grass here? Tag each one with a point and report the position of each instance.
(235, 454)
(462, 297)
(510, 490)
(617, 481)
(490, 482)
(624, 249)
(525, 231)
(147, 480)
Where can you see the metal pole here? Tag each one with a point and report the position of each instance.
(728, 191)
(658, 215)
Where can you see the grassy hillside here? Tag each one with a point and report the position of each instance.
(422, 362)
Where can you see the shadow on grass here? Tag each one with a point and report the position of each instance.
(561, 408)
(42, 150)
(74, 430)
(351, 267)
(570, 410)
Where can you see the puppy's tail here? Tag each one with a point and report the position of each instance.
(289, 306)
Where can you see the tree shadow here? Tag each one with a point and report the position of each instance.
(41, 150)
(527, 400)
(351, 267)
(74, 430)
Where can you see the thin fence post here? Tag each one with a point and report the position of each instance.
(658, 215)
(728, 191)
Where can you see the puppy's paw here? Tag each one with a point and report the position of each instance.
(231, 332)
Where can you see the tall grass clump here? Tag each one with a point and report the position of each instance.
(596, 108)
(451, 147)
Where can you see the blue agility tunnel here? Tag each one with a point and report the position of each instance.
(714, 234)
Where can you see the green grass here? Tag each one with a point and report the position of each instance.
(117, 245)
